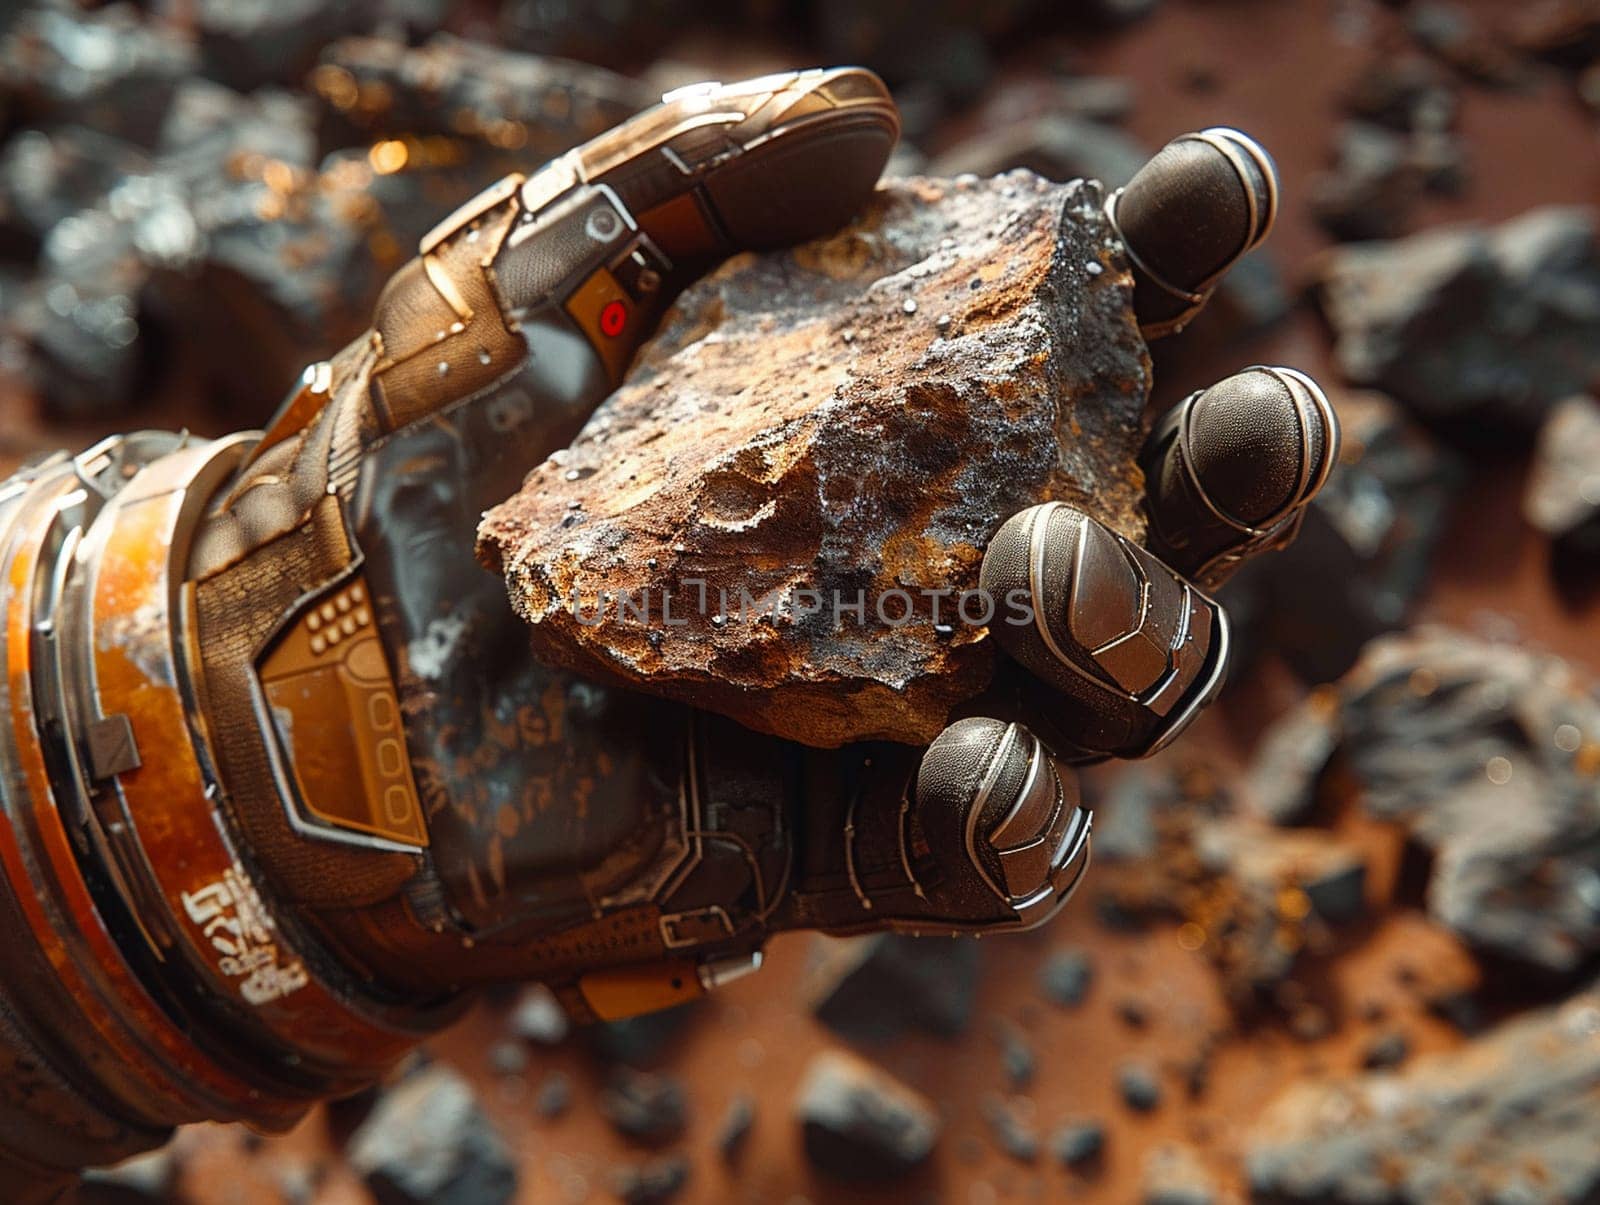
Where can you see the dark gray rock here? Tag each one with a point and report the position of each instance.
(1139, 1085)
(1480, 330)
(1311, 605)
(1373, 185)
(1291, 758)
(509, 109)
(1388, 1049)
(1338, 892)
(249, 43)
(1364, 551)
(1488, 754)
(1258, 866)
(538, 1017)
(1389, 499)
(1125, 817)
(1017, 1058)
(79, 319)
(859, 1123)
(209, 124)
(1457, 36)
(508, 1058)
(47, 176)
(262, 261)
(644, 1107)
(1133, 1013)
(554, 1095)
(1010, 1121)
(1078, 1144)
(428, 1142)
(652, 1183)
(1508, 1118)
(874, 988)
(1252, 298)
(1065, 976)
(112, 68)
(1406, 92)
(226, 239)
(733, 1132)
(1378, 176)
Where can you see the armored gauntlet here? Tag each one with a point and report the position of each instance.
(281, 783)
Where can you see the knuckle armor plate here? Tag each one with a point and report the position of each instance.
(1134, 650)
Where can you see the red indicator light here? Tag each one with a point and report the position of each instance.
(613, 318)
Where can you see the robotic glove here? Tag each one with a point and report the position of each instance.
(282, 784)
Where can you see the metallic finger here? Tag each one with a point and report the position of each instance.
(1229, 471)
(1133, 649)
(573, 263)
(1189, 214)
(1002, 825)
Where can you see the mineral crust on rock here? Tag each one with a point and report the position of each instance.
(849, 420)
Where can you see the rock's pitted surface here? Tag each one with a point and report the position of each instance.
(854, 417)
(1507, 1118)
(1490, 755)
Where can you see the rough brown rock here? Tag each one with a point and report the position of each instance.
(857, 415)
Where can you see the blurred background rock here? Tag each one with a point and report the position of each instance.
(1341, 941)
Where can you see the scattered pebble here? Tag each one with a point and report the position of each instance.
(1140, 1086)
(1065, 977)
(1077, 1144)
